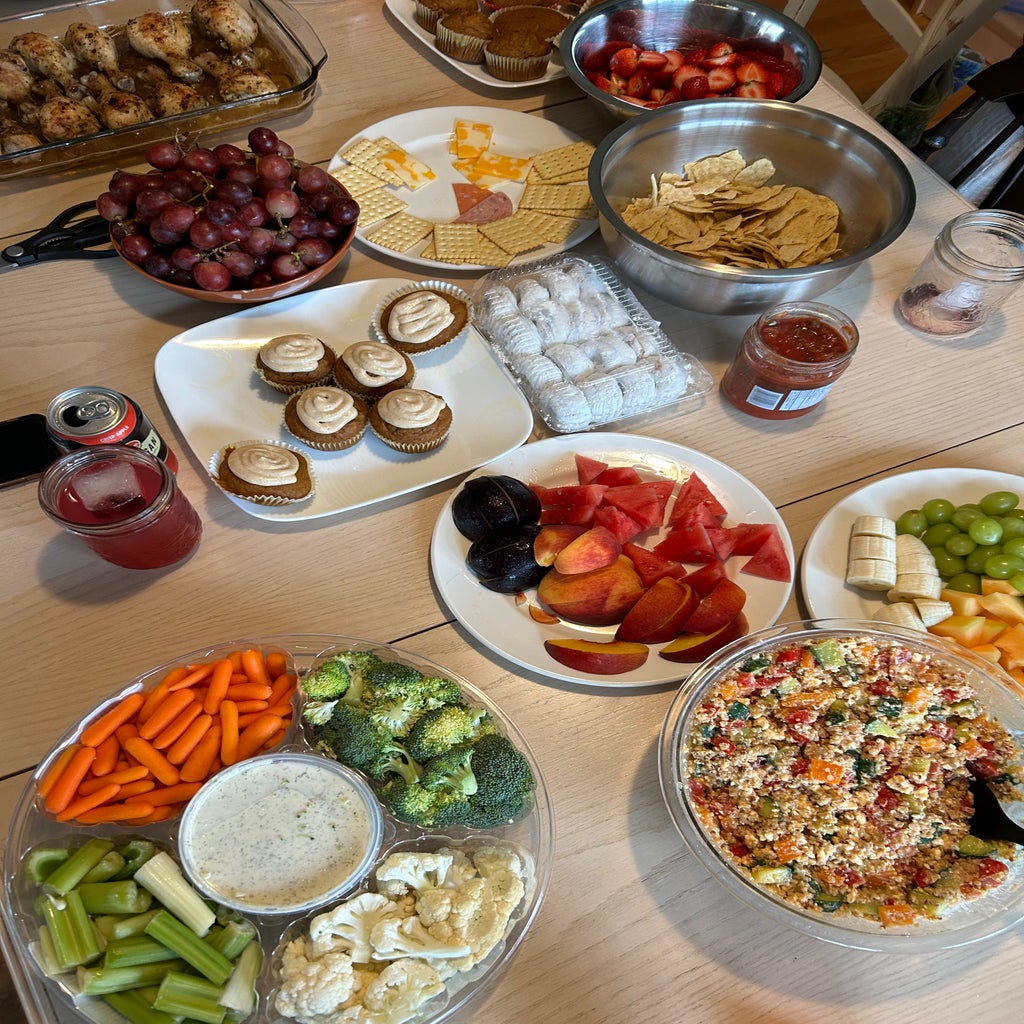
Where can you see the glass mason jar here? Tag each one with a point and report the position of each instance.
(789, 360)
(976, 262)
(123, 503)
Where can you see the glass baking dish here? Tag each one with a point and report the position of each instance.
(294, 58)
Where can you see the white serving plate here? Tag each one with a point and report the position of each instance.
(426, 134)
(207, 379)
(823, 569)
(507, 628)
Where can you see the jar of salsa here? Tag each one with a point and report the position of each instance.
(789, 360)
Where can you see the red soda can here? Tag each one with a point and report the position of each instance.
(86, 416)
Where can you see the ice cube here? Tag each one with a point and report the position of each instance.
(108, 489)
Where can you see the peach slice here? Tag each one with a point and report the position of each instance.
(694, 647)
(660, 614)
(552, 539)
(597, 657)
(594, 549)
(541, 616)
(720, 606)
(600, 597)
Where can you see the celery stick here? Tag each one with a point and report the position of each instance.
(98, 981)
(172, 933)
(232, 938)
(134, 950)
(194, 998)
(135, 853)
(163, 878)
(66, 954)
(43, 860)
(106, 923)
(239, 995)
(73, 870)
(132, 1006)
(107, 868)
(87, 935)
(124, 897)
(134, 925)
(45, 954)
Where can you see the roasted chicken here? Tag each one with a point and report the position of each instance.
(64, 118)
(166, 95)
(236, 82)
(95, 46)
(165, 37)
(227, 21)
(14, 138)
(47, 57)
(115, 107)
(15, 77)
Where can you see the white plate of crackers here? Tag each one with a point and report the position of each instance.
(473, 187)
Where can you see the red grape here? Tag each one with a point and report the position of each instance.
(254, 214)
(211, 276)
(237, 193)
(285, 149)
(239, 264)
(258, 242)
(263, 140)
(204, 234)
(228, 155)
(202, 160)
(245, 173)
(158, 265)
(185, 257)
(234, 231)
(284, 242)
(178, 217)
(109, 207)
(304, 225)
(314, 252)
(164, 155)
(344, 210)
(312, 179)
(137, 248)
(287, 267)
(220, 213)
(274, 167)
(282, 202)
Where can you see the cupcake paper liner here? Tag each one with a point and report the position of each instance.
(460, 45)
(213, 468)
(442, 288)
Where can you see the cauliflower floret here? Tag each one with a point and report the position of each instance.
(489, 860)
(393, 938)
(313, 988)
(348, 926)
(408, 870)
(461, 870)
(398, 993)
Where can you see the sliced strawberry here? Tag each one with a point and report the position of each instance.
(751, 90)
(721, 55)
(595, 57)
(695, 88)
(672, 95)
(686, 72)
(588, 469)
(605, 84)
(638, 85)
(673, 61)
(751, 71)
(624, 62)
(721, 80)
(651, 60)
(776, 85)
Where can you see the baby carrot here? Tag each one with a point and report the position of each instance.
(62, 792)
(177, 726)
(165, 713)
(116, 812)
(238, 677)
(220, 680)
(199, 764)
(253, 736)
(96, 732)
(235, 657)
(157, 694)
(156, 814)
(277, 662)
(179, 793)
(179, 750)
(249, 691)
(228, 732)
(249, 707)
(122, 776)
(87, 803)
(194, 677)
(254, 666)
(144, 751)
(107, 754)
(54, 771)
(126, 730)
(282, 688)
(130, 789)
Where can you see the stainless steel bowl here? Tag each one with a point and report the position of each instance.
(869, 182)
(668, 24)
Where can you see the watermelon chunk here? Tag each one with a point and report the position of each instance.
(742, 539)
(645, 502)
(569, 494)
(622, 526)
(687, 544)
(619, 476)
(704, 579)
(695, 492)
(569, 515)
(588, 469)
(651, 566)
(770, 560)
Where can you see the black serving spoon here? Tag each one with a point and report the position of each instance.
(990, 821)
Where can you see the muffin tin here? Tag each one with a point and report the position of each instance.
(531, 837)
(582, 348)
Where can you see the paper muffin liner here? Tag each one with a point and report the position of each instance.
(412, 449)
(516, 69)
(459, 45)
(334, 445)
(517, 17)
(293, 388)
(442, 288)
(213, 469)
(426, 16)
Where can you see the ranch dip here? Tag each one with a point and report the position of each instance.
(278, 833)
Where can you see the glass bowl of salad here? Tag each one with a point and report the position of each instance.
(819, 770)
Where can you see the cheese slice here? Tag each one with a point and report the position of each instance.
(414, 173)
(471, 139)
(469, 170)
(511, 168)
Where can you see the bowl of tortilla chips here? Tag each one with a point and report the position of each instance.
(730, 206)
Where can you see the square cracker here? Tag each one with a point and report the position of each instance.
(400, 232)
(365, 153)
(377, 205)
(573, 158)
(456, 243)
(358, 181)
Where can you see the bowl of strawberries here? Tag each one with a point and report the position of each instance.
(636, 55)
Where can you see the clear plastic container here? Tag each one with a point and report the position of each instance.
(580, 345)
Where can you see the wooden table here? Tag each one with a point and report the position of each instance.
(632, 927)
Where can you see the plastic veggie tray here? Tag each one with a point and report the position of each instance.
(531, 837)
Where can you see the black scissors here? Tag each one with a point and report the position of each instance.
(66, 237)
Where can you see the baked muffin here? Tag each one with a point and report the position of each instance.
(462, 36)
(291, 362)
(428, 12)
(540, 21)
(326, 418)
(422, 317)
(411, 420)
(369, 369)
(263, 472)
(517, 56)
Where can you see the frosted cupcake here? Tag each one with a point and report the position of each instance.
(291, 362)
(411, 420)
(422, 317)
(326, 418)
(369, 369)
(263, 472)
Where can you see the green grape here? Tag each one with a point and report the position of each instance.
(975, 561)
(960, 544)
(946, 563)
(1015, 513)
(998, 503)
(912, 521)
(965, 582)
(965, 515)
(1013, 527)
(1017, 582)
(986, 531)
(1002, 567)
(938, 510)
(937, 535)
(1014, 547)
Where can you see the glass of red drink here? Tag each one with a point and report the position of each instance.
(789, 360)
(124, 503)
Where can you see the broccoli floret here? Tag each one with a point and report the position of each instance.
(437, 730)
(451, 770)
(395, 759)
(352, 738)
(504, 782)
(436, 691)
(392, 677)
(343, 675)
(411, 802)
(396, 714)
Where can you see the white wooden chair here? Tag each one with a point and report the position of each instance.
(949, 27)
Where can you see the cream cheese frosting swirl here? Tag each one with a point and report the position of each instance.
(292, 353)
(325, 410)
(373, 363)
(264, 465)
(419, 317)
(410, 408)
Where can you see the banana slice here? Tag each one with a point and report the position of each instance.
(912, 585)
(871, 573)
(873, 546)
(932, 611)
(901, 613)
(874, 526)
(912, 555)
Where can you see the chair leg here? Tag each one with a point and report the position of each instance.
(1008, 191)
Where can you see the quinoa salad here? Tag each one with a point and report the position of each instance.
(833, 773)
